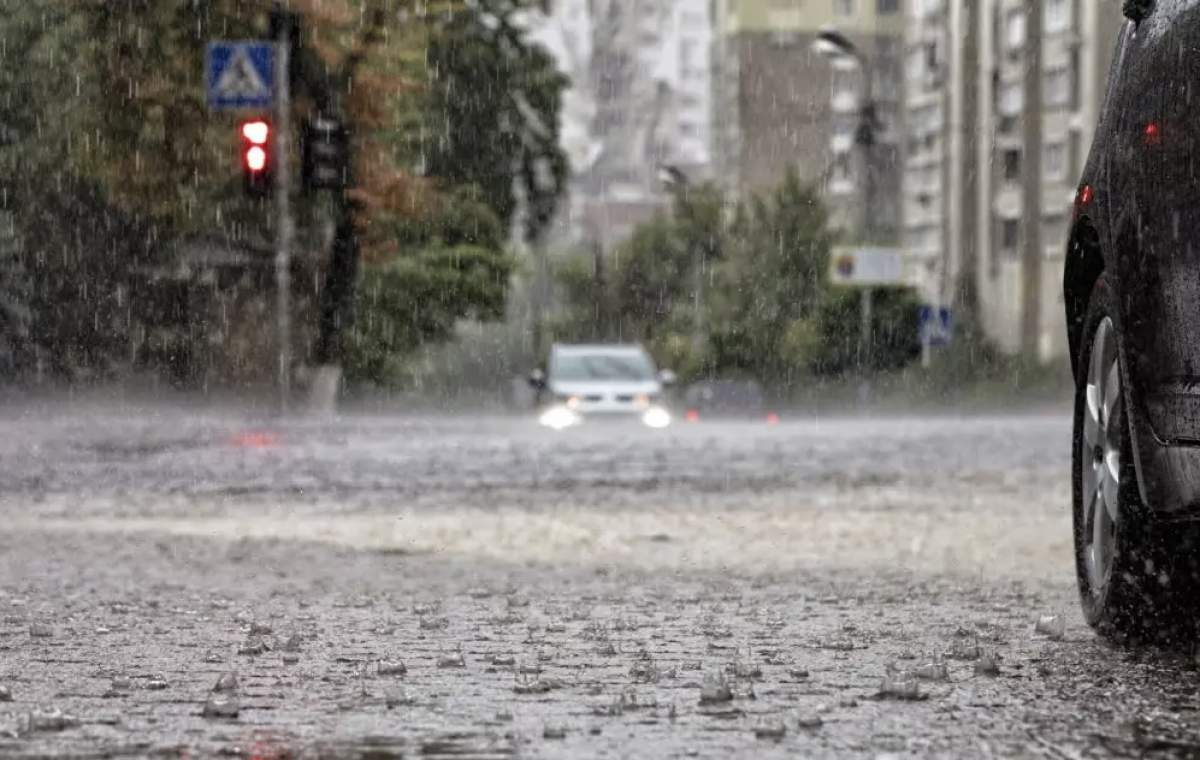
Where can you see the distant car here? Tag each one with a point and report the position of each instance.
(1131, 289)
(583, 381)
(729, 397)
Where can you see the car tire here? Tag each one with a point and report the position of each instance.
(1122, 556)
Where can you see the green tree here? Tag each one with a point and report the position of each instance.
(455, 273)
(771, 284)
(15, 295)
(894, 331)
(649, 279)
(106, 139)
(645, 289)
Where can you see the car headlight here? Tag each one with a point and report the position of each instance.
(559, 417)
(656, 417)
(570, 402)
(642, 401)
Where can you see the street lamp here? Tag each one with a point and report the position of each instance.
(832, 44)
(678, 183)
(835, 46)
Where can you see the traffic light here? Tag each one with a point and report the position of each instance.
(325, 151)
(256, 156)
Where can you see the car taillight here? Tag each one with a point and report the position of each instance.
(1152, 134)
(1083, 199)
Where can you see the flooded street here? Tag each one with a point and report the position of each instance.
(187, 584)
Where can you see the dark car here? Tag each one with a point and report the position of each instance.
(1132, 296)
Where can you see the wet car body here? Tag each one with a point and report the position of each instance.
(1132, 297)
(1137, 221)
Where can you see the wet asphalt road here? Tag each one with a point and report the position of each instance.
(477, 587)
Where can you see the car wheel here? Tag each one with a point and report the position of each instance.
(1121, 555)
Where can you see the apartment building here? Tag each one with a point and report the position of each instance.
(640, 99)
(779, 103)
(965, 165)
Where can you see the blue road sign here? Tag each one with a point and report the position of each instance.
(936, 331)
(240, 74)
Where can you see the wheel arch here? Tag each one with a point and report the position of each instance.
(1084, 265)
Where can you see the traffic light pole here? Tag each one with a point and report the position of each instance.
(283, 215)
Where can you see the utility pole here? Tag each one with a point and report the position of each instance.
(866, 140)
(964, 300)
(834, 45)
(1031, 217)
(954, 257)
(283, 211)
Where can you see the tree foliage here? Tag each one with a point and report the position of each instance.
(109, 154)
(769, 310)
(16, 294)
(408, 301)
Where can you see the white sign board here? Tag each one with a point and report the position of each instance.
(864, 266)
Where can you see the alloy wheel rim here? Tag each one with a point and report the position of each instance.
(1101, 456)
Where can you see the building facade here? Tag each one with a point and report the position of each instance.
(967, 171)
(640, 99)
(779, 103)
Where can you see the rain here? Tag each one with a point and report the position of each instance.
(598, 378)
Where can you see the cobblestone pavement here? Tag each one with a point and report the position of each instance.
(384, 587)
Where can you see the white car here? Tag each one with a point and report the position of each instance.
(592, 380)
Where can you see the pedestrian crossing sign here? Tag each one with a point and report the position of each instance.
(240, 75)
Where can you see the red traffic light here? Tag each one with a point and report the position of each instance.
(256, 132)
(256, 159)
(256, 139)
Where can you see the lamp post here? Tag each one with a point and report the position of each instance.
(832, 44)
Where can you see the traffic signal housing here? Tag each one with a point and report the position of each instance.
(256, 137)
(324, 154)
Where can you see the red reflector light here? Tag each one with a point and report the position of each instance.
(1153, 133)
(256, 440)
(693, 415)
(256, 159)
(256, 132)
(772, 419)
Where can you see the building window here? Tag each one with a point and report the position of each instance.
(1014, 29)
(1058, 16)
(687, 52)
(1012, 98)
(887, 7)
(1055, 229)
(1058, 87)
(1056, 160)
(1012, 165)
(886, 86)
(844, 81)
(1010, 234)
(843, 7)
(916, 64)
(843, 126)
